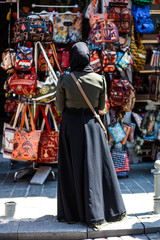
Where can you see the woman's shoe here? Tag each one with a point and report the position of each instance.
(118, 217)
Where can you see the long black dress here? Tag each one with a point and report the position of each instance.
(88, 188)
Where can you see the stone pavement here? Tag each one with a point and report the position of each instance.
(36, 207)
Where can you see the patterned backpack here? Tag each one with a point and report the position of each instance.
(102, 29)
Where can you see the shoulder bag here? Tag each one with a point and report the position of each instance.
(25, 144)
(90, 105)
(48, 145)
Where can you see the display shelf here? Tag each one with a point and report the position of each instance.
(149, 41)
(149, 71)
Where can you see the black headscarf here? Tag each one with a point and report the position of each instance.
(79, 59)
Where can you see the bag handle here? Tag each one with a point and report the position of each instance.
(89, 104)
(55, 79)
(44, 116)
(23, 118)
(93, 5)
(55, 113)
(52, 45)
(48, 108)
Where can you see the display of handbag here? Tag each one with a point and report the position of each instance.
(42, 64)
(33, 28)
(10, 105)
(8, 60)
(126, 129)
(119, 92)
(120, 160)
(120, 16)
(108, 59)
(25, 144)
(124, 60)
(117, 132)
(48, 145)
(24, 58)
(45, 91)
(67, 27)
(102, 29)
(137, 50)
(9, 131)
(95, 61)
(24, 82)
(142, 19)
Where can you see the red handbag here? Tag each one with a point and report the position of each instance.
(48, 145)
(95, 61)
(109, 59)
(25, 144)
(24, 83)
(121, 18)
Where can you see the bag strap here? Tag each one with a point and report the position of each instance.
(55, 79)
(44, 116)
(89, 104)
(52, 45)
(23, 118)
(49, 109)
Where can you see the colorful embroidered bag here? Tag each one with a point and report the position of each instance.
(8, 60)
(24, 58)
(95, 61)
(102, 29)
(138, 50)
(109, 59)
(24, 83)
(42, 64)
(33, 29)
(25, 144)
(121, 18)
(67, 27)
(48, 145)
(117, 132)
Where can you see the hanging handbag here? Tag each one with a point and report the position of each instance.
(138, 51)
(10, 105)
(9, 131)
(95, 61)
(121, 18)
(142, 19)
(48, 145)
(120, 160)
(42, 64)
(8, 60)
(24, 83)
(126, 129)
(119, 92)
(24, 58)
(108, 59)
(67, 27)
(102, 29)
(45, 91)
(90, 105)
(117, 132)
(124, 59)
(33, 29)
(25, 144)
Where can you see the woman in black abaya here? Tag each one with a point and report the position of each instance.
(88, 188)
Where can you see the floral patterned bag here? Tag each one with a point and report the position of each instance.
(67, 27)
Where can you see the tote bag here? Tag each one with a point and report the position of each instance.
(48, 145)
(25, 144)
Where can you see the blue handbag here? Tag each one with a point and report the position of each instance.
(142, 17)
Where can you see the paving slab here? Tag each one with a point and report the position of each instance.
(129, 226)
(151, 224)
(51, 230)
(8, 230)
